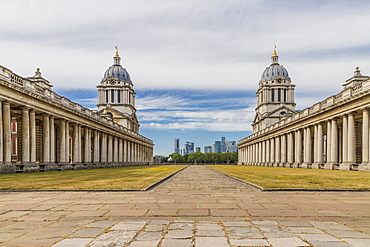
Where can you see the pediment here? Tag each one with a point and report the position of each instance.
(280, 112)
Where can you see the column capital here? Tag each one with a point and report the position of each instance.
(25, 108)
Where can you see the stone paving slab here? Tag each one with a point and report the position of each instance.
(196, 207)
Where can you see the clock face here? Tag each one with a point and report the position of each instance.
(279, 80)
(112, 81)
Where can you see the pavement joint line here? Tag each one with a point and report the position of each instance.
(288, 189)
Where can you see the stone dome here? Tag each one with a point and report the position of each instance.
(274, 70)
(117, 70)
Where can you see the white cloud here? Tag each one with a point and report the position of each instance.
(209, 45)
(207, 120)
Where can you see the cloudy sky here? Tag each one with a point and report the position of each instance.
(195, 64)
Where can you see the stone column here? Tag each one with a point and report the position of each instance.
(267, 155)
(345, 140)
(263, 153)
(120, 150)
(25, 136)
(7, 133)
(298, 152)
(46, 139)
(68, 151)
(110, 148)
(32, 136)
(1, 134)
(115, 149)
(290, 157)
(125, 151)
(364, 166)
(79, 128)
(319, 147)
(314, 150)
(283, 151)
(104, 157)
(277, 151)
(334, 141)
(351, 144)
(96, 147)
(307, 148)
(272, 152)
(52, 140)
(128, 151)
(75, 154)
(328, 165)
(87, 151)
(63, 141)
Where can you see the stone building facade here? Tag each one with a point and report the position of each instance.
(43, 131)
(332, 134)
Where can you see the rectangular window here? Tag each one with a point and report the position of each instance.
(272, 95)
(119, 96)
(112, 96)
(106, 96)
(284, 95)
(279, 94)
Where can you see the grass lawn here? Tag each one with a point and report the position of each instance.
(279, 177)
(131, 177)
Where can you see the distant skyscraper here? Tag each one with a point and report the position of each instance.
(197, 149)
(217, 147)
(189, 148)
(176, 145)
(231, 147)
(223, 145)
(207, 149)
(213, 149)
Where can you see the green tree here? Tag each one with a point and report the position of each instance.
(197, 156)
(177, 158)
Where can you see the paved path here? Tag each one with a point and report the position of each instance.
(197, 207)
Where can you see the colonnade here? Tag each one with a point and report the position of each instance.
(32, 140)
(340, 142)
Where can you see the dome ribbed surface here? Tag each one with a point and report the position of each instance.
(118, 72)
(274, 70)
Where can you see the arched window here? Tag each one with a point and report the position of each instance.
(112, 95)
(272, 95)
(279, 94)
(106, 96)
(119, 96)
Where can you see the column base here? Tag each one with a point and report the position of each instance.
(306, 165)
(288, 165)
(317, 166)
(331, 166)
(7, 168)
(346, 166)
(275, 165)
(65, 167)
(88, 166)
(297, 165)
(365, 167)
(78, 166)
(31, 167)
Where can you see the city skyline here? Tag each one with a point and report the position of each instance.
(217, 147)
(195, 65)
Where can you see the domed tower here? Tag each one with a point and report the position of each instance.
(116, 96)
(275, 95)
